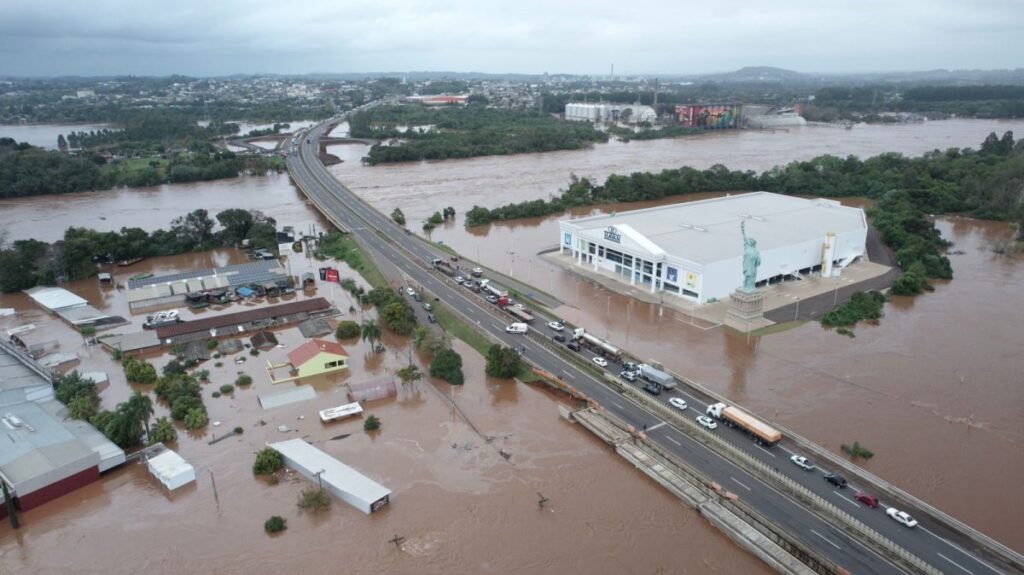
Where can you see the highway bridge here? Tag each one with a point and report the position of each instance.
(932, 545)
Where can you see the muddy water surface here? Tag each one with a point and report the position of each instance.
(461, 506)
(933, 389)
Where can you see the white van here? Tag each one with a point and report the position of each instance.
(516, 328)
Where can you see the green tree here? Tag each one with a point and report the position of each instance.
(163, 431)
(447, 365)
(503, 362)
(196, 418)
(275, 524)
(138, 371)
(409, 374)
(62, 143)
(347, 330)
(398, 317)
(436, 219)
(398, 216)
(82, 407)
(370, 332)
(268, 461)
(372, 423)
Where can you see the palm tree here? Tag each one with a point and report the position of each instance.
(138, 409)
(371, 332)
(409, 374)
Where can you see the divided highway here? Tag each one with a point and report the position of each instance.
(385, 240)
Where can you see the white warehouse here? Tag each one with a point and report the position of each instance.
(694, 250)
(605, 113)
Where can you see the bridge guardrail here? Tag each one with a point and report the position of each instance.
(864, 534)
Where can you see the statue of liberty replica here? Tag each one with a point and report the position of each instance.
(746, 305)
(751, 260)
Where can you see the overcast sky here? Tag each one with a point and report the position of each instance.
(220, 37)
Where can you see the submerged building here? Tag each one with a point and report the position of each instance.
(694, 250)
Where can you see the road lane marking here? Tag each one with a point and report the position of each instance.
(619, 406)
(764, 450)
(740, 484)
(955, 563)
(845, 498)
(656, 426)
(825, 539)
(959, 548)
(569, 374)
(673, 440)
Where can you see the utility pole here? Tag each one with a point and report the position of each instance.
(396, 540)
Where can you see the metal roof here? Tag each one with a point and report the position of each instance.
(38, 450)
(54, 298)
(335, 474)
(238, 318)
(706, 231)
(259, 272)
(294, 395)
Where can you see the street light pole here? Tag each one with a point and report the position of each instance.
(796, 316)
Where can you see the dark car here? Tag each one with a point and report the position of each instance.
(558, 337)
(573, 346)
(836, 480)
(431, 318)
(652, 388)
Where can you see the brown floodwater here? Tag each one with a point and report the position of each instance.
(461, 506)
(933, 389)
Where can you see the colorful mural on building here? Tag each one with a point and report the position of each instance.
(710, 116)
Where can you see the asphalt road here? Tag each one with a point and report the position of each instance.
(378, 232)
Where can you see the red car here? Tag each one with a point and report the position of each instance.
(867, 499)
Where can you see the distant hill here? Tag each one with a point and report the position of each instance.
(758, 74)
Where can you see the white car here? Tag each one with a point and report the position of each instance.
(410, 291)
(519, 306)
(802, 462)
(477, 272)
(678, 403)
(706, 421)
(459, 279)
(600, 361)
(557, 326)
(901, 517)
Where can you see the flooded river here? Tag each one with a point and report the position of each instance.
(933, 390)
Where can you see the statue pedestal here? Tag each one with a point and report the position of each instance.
(746, 311)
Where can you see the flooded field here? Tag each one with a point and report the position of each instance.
(45, 135)
(933, 389)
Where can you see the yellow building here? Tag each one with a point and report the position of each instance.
(315, 357)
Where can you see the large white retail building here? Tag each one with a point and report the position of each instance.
(694, 250)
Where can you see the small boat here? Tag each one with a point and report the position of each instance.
(129, 262)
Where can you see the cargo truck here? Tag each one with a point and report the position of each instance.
(762, 433)
(444, 267)
(492, 289)
(656, 376)
(601, 346)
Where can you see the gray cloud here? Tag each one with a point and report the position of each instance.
(215, 37)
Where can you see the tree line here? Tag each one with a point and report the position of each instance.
(983, 183)
(466, 132)
(27, 263)
(29, 171)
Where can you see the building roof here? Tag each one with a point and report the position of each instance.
(231, 319)
(335, 473)
(294, 395)
(54, 298)
(312, 348)
(238, 274)
(171, 469)
(705, 231)
(38, 450)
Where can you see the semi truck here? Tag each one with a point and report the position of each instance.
(655, 375)
(444, 267)
(519, 314)
(761, 432)
(598, 344)
(492, 289)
